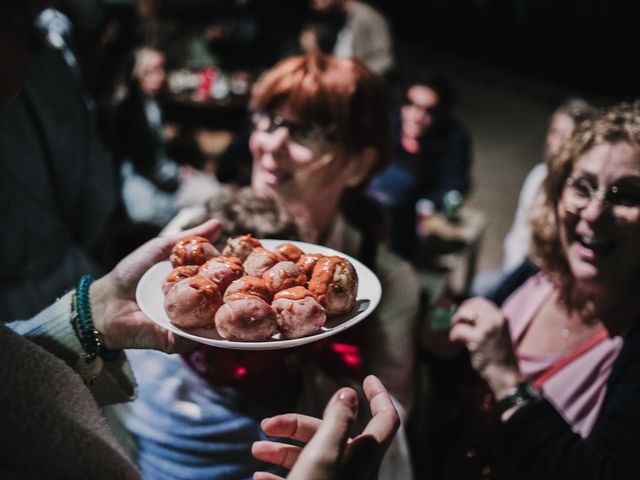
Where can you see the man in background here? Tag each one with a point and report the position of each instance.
(431, 157)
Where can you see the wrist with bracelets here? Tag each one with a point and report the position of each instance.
(90, 338)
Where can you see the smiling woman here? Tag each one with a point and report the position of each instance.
(335, 136)
(562, 357)
(589, 219)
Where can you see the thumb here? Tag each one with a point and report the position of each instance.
(132, 267)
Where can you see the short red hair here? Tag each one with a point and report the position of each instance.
(338, 94)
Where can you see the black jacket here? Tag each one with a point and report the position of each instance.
(543, 444)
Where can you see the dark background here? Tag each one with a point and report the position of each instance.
(581, 45)
(585, 46)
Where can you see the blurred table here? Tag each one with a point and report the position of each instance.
(447, 252)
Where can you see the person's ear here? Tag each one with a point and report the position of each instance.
(360, 166)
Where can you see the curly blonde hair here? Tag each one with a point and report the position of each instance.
(620, 123)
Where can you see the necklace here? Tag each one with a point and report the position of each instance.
(554, 330)
(566, 342)
(577, 330)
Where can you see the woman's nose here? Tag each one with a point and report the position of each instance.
(594, 209)
(276, 140)
(271, 146)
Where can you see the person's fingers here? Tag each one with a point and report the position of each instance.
(469, 313)
(277, 453)
(337, 418)
(180, 344)
(209, 229)
(465, 333)
(477, 311)
(127, 273)
(322, 457)
(373, 387)
(291, 425)
(266, 476)
(467, 316)
(385, 421)
(366, 450)
(169, 342)
(328, 438)
(124, 325)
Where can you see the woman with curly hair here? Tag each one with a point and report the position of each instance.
(562, 357)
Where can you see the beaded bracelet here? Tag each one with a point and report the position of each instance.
(91, 339)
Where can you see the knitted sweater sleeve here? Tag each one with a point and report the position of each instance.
(51, 329)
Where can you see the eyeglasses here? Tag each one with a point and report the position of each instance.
(431, 110)
(623, 201)
(309, 136)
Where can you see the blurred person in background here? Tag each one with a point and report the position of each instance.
(160, 164)
(496, 283)
(431, 157)
(358, 30)
(150, 177)
(319, 35)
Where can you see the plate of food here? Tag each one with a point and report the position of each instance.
(265, 294)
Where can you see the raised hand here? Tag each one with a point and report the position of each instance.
(329, 452)
(482, 328)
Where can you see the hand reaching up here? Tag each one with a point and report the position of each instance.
(330, 453)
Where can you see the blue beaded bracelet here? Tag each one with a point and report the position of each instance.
(90, 338)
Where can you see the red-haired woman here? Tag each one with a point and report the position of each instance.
(320, 130)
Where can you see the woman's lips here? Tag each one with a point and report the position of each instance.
(269, 178)
(590, 247)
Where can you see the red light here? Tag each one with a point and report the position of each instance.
(352, 360)
(344, 348)
(240, 372)
(349, 354)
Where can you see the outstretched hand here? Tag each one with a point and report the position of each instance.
(330, 453)
(113, 304)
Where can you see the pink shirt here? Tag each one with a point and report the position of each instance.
(578, 389)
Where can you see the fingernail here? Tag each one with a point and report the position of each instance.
(349, 397)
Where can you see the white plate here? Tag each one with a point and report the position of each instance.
(151, 301)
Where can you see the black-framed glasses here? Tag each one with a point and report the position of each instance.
(622, 200)
(307, 135)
